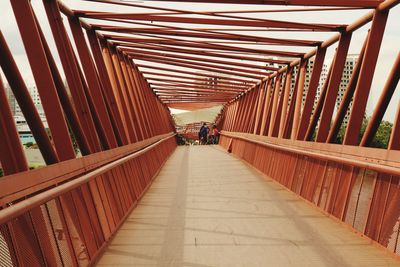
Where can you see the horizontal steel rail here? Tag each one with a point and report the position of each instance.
(69, 220)
(85, 174)
(351, 185)
(19, 185)
(368, 158)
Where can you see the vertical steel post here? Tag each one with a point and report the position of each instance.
(107, 88)
(333, 87)
(259, 107)
(66, 104)
(25, 102)
(70, 66)
(43, 78)
(95, 92)
(115, 88)
(311, 93)
(318, 108)
(365, 79)
(394, 141)
(299, 98)
(277, 88)
(383, 103)
(267, 102)
(123, 96)
(288, 84)
(347, 98)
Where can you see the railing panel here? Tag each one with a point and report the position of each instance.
(70, 223)
(342, 183)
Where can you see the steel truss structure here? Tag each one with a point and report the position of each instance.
(124, 69)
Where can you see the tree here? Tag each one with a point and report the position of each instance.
(381, 138)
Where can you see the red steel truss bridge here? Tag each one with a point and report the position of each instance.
(294, 181)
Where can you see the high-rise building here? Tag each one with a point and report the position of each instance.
(351, 61)
(11, 99)
(308, 74)
(324, 73)
(15, 109)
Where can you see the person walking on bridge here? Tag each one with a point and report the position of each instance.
(214, 135)
(204, 130)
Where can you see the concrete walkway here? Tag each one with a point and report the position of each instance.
(207, 208)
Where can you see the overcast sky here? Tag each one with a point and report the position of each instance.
(390, 46)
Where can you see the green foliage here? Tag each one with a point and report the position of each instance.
(382, 136)
(29, 145)
(73, 140)
(381, 139)
(1, 172)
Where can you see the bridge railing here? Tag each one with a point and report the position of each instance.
(66, 213)
(359, 186)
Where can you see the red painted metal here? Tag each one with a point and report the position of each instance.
(25, 102)
(94, 86)
(347, 98)
(333, 87)
(64, 214)
(311, 93)
(383, 103)
(43, 78)
(365, 78)
(70, 67)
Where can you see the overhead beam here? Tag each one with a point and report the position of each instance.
(206, 53)
(208, 85)
(202, 45)
(201, 74)
(194, 66)
(190, 78)
(202, 59)
(334, 3)
(195, 60)
(187, 32)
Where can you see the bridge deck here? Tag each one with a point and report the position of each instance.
(207, 208)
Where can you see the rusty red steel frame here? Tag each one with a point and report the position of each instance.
(296, 143)
(110, 129)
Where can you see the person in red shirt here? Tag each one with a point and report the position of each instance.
(214, 135)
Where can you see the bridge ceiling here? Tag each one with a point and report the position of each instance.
(194, 54)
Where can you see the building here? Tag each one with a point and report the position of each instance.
(15, 109)
(308, 74)
(11, 99)
(351, 62)
(324, 73)
(22, 126)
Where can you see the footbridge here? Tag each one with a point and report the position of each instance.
(307, 168)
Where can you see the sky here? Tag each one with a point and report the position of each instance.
(388, 53)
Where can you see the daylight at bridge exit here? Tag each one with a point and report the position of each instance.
(225, 133)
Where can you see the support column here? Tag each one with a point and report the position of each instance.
(383, 103)
(333, 87)
(43, 78)
(365, 79)
(311, 93)
(95, 92)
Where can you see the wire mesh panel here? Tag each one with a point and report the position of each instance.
(365, 199)
(389, 233)
(72, 228)
(7, 252)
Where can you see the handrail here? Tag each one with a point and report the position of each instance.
(23, 206)
(19, 185)
(353, 162)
